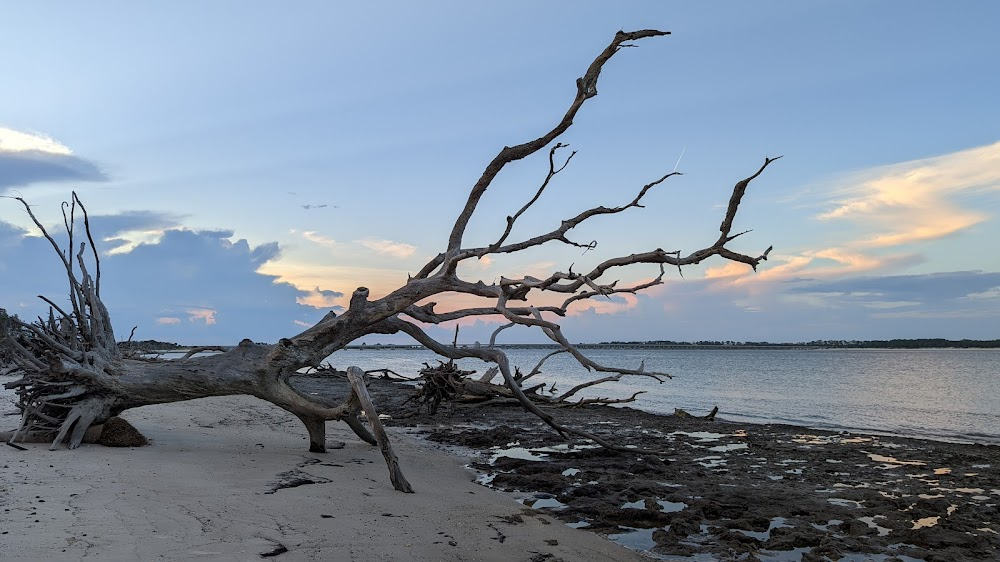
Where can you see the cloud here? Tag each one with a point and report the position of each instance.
(206, 315)
(12, 141)
(122, 232)
(388, 247)
(27, 158)
(888, 208)
(187, 286)
(991, 293)
(317, 238)
(919, 200)
(320, 298)
(937, 287)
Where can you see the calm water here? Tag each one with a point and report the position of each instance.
(939, 394)
(948, 394)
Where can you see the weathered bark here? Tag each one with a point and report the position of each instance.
(74, 375)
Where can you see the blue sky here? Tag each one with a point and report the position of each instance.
(249, 164)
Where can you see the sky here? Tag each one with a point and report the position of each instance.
(246, 164)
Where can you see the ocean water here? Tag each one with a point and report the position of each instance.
(945, 394)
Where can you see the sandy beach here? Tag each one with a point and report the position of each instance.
(212, 485)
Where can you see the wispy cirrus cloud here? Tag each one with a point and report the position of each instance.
(317, 238)
(919, 200)
(388, 247)
(873, 218)
(27, 158)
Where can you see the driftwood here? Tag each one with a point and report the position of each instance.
(683, 414)
(357, 378)
(75, 376)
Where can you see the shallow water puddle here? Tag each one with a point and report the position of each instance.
(793, 555)
(960, 490)
(636, 539)
(665, 506)
(578, 525)
(542, 501)
(843, 502)
(870, 521)
(827, 525)
(700, 435)
(485, 479)
(859, 557)
(565, 448)
(730, 447)
(571, 472)
(808, 439)
(713, 461)
(519, 453)
(764, 536)
(535, 454)
(671, 507)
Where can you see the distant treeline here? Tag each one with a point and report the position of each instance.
(149, 345)
(924, 343)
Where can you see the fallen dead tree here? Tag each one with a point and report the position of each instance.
(75, 375)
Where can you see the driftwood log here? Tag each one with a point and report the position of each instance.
(74, 374)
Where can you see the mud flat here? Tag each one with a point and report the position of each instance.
(736, 491)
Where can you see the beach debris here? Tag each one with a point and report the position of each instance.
(683, 414)
(440, 383)
(278, 550)
(118, 432)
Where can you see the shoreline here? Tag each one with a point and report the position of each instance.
(723, 489)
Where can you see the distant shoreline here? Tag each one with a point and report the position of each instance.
(158, 346)
(891, 344)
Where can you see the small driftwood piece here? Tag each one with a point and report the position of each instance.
(684, 414)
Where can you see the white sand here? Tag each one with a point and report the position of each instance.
(200, 492)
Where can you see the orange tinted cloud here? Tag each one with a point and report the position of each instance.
(918, 200)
